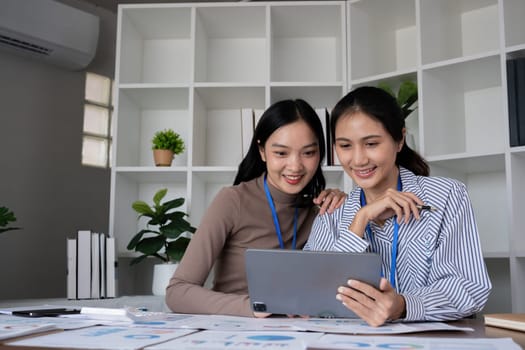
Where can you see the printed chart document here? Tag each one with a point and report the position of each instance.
(118, 338)
(323, 325)
(11, 326)
(63, 323)
(215, 340)
(358, 326)
(337, 341)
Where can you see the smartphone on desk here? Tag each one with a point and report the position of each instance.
(46, 312)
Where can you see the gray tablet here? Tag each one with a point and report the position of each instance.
(298, 282)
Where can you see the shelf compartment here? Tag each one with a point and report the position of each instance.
(501, 294)
(336, 178)
(316, 96)
(140, 185)
(230, 44)
(517, 271)
(217, 139)
(463, 103)
(513, 11)
(383, 37)
(458, 28)
(155, 45)
(307, 42)
(144, 111)
(517, 195)
(485, 178)
(205, 184)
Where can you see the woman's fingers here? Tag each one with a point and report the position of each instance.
(375, 306)
(402, 204)
(329, 200)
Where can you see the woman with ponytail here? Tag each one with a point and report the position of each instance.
(423, 227)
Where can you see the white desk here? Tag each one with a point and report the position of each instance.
(150, 302)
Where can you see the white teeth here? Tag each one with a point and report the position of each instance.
(363, 172)
(291, 177)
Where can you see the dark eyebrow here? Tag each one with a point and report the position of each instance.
(364, 138)
(283, 146)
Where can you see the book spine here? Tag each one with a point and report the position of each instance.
(84, 264)
(71, 268)
(257, 114)
(95, 265)
(111, 268)
(102, 265)
(330, 154)
(321, 113)
(512, 103)
(520, 100)
(247, 122)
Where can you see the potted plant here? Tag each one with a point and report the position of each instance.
(406, 98)
(406, 95)
(6, 216)
(166, 144)
(166, 237)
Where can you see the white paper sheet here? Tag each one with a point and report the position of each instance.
(57, 322)
(107, 337)
(11, 326)
(216, 340)
(358, 326)
(353, 342)
(348, 326)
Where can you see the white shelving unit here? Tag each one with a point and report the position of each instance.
(456, 51)
(193, 67)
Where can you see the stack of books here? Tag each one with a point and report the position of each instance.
(91, 266)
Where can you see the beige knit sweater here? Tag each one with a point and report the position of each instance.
(238, 218)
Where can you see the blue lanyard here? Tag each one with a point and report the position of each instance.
(394, 239)
(276, 219)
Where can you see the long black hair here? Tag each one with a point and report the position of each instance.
(383, 107)
(278, 115)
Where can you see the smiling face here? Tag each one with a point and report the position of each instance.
(292, 156)
(367, 153)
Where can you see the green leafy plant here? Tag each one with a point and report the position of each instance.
(168, 139)
(406, 95)
(166, 229)
(6, 216)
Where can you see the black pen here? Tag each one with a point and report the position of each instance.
(426, 207)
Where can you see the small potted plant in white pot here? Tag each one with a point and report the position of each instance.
(166, 144)
(166, 237)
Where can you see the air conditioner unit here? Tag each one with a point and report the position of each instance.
(50, 31)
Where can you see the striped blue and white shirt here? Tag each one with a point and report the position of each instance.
(440, 268)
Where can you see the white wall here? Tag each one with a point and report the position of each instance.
(41, 177)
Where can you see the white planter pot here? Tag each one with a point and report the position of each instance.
(161, 277)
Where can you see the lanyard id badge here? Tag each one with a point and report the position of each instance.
(276, 219)
(393, 256)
